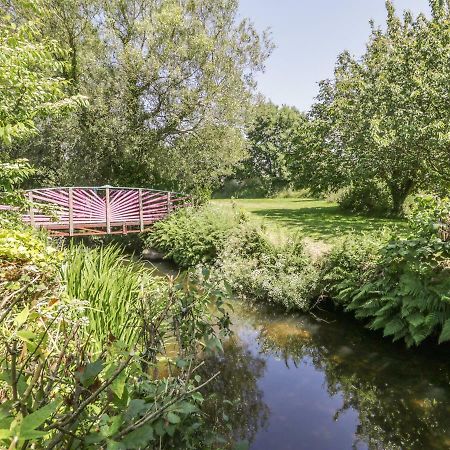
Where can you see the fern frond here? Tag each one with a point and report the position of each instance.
(394, 326)
(445, 333)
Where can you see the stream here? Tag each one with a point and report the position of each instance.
(293, 382)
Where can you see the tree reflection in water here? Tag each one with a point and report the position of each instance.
(401, 396)
(235, 409)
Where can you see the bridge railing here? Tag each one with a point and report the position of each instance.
(77, 211)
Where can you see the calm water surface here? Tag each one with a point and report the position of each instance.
(294, 383)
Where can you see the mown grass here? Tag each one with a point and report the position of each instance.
(317, 219)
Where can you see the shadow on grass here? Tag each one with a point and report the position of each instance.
(325, 222)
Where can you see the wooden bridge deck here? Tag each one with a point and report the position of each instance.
(85, 211)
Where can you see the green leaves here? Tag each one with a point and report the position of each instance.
(385, 116)
(105, 366)
(445, 333)
(34, 420)
(90, 372)
(22, 316)
(277, 149)
(26, 428)
(403, 291)
(173, 418)
(29, 85)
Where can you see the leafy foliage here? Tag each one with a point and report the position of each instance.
(258, 268)
(30, 81)
(240, 254)
(403, 286)
(169, 83)
(396, 284)
(385, 117)
(274, 137)
(64, 384)
(351, 263)
(12, 175)
(112, 288)
(368, 198)
(193, 235)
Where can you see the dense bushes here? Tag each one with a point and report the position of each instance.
(256, 267)
(240, 253)
(397, 284)
(367, 198)
(193, 235)
(99, 354)
(350, 262)
(403, 286)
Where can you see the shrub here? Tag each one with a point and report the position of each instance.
(59, 392)
(280, 273)
(404, 287)
(193, 235)
(241, 254)
(368, 198)
(350, 263)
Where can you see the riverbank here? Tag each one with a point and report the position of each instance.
(392, 281)
(97, 351)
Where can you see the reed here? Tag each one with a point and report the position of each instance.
(112, 287)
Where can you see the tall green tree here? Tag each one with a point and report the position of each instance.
(386, 116)
(31, 81)
(275, 135)
(31, 88)
(169, 82)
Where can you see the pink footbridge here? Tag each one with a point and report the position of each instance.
(87, 211)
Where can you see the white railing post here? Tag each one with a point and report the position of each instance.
(169, 203)
(30, 198)
(70, 211)
(141, 211)
(108, 211)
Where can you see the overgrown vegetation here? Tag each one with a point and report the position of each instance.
(243, 255)
(367, 198)
(193, 235)
(94, 350)
(170, 85)
(101, 356)
(400, 287)
(395, 283)
(112, 286)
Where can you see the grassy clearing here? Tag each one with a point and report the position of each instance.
(317, 219)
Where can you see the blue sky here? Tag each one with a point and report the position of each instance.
(309, 34)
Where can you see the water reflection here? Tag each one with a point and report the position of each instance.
(329, 386)
(236, 409)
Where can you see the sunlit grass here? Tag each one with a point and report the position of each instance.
(318, 219)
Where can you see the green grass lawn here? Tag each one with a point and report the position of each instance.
(318, 219)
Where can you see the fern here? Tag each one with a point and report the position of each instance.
(445, 333)
(394, 326)
(406, 294)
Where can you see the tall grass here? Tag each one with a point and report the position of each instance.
(112, 288)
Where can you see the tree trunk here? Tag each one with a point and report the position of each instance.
(399, 192)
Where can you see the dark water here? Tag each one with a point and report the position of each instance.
(291, 382)
(296, 383)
